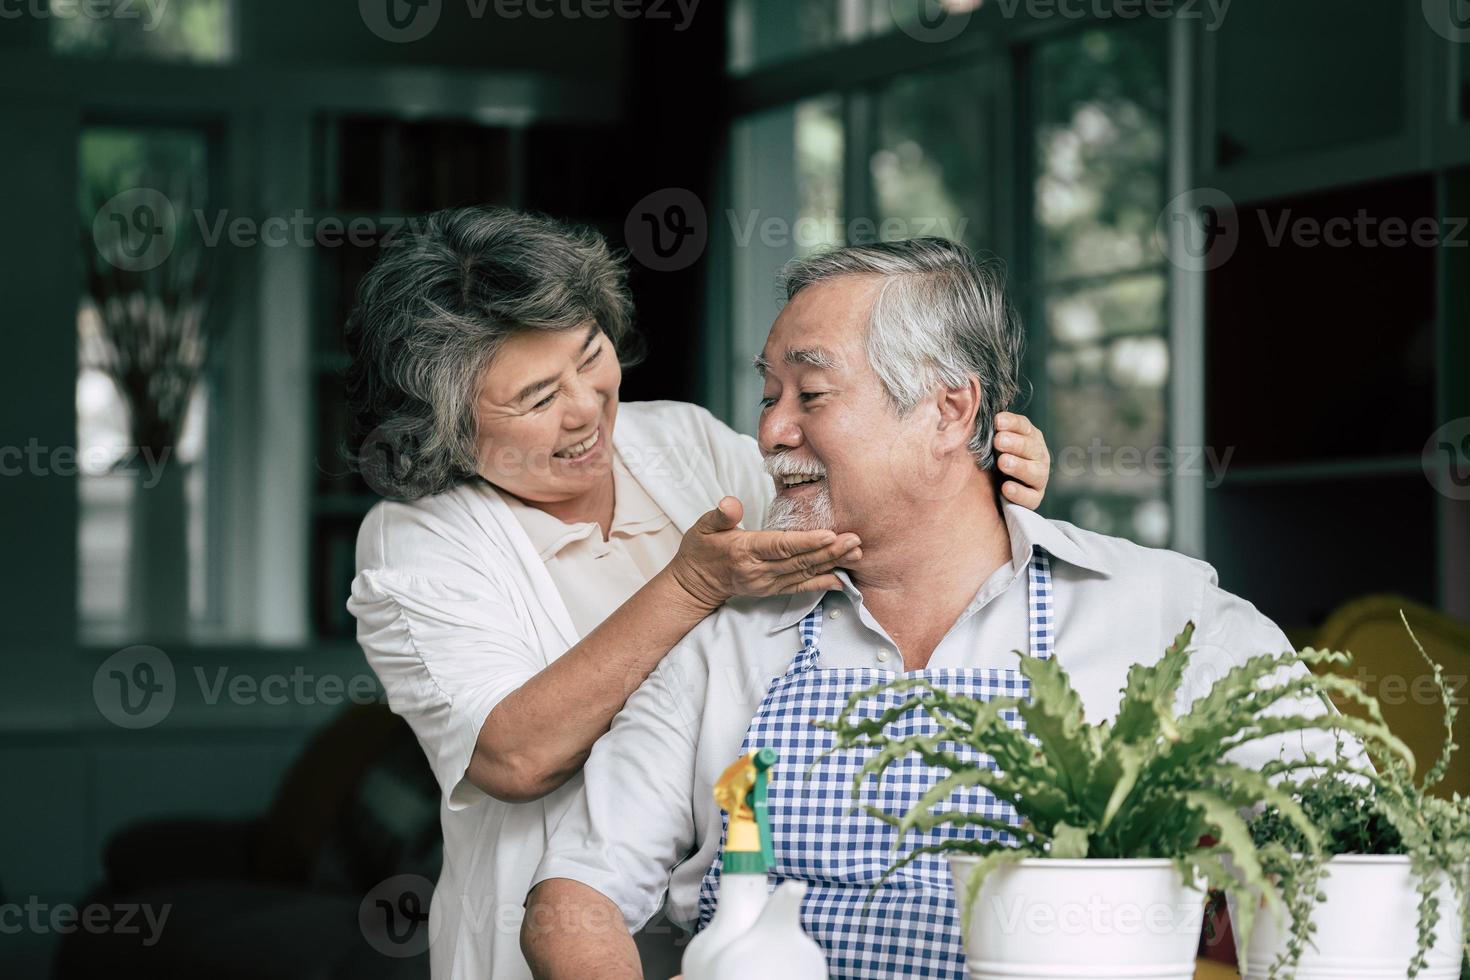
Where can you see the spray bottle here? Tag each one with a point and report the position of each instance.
(749, 922)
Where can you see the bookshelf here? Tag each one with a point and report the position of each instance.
(375, 175)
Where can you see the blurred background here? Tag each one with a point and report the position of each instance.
(1237, 232)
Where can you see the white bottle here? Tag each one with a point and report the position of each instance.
(750, 924)
(741, 899)
(776, 947)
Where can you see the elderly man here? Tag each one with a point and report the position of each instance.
(882, 377)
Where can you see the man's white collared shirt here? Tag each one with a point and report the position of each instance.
(646, 824)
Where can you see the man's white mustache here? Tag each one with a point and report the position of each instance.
(789, 464)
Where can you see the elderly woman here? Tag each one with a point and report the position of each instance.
(543, 546)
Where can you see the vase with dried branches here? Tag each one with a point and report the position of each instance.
(146, 293)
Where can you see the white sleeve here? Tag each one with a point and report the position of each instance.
(1231, 631)
(633, 821)
(446, 648)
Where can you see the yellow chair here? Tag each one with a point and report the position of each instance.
(1390, 669)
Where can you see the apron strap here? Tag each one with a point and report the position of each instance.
(811, 634)
(1041, 612)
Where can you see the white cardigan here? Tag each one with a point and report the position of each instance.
(455, 610)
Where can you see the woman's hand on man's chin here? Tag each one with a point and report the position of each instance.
(719, 560)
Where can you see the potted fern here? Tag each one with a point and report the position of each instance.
(1384, 894)
(1120, 823)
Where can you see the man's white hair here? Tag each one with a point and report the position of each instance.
(940, 318)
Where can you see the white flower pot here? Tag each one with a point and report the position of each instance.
(1367, 928)
(1082, 918)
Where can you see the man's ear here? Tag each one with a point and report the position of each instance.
(957, 409)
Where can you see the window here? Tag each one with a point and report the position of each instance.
(1098, 317)
(928, 151)
(767, 31)
(928, 173)
(787, 201)
(933, 162)
(142, 390)
(179, 30)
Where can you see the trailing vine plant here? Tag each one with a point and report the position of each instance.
(1357, 809)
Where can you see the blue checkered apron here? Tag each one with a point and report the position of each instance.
(910, 928)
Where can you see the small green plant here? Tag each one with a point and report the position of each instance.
(1151, 783)
(1356, 809)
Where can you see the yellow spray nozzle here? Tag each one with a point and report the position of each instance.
(741, 792)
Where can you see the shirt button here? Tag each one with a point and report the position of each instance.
(835, 613)
(882, 656)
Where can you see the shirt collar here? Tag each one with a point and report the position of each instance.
(1028, 530)
(634, 512)
(797, 607)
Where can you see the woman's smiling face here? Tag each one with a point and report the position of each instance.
(545, 412)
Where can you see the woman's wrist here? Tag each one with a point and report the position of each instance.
(689, 589)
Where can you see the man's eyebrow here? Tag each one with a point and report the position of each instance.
(536, 386)
(817, 357)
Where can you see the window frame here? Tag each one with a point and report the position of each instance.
(215, 380)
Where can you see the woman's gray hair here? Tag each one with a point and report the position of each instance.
(940, 318)
(432, 312)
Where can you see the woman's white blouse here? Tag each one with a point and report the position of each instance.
(456, 608)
